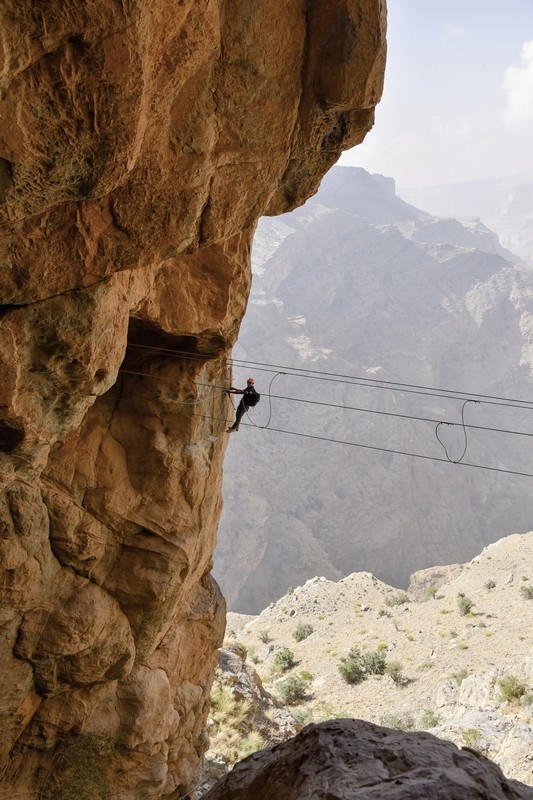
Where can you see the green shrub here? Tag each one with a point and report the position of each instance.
(511, 688)
(429, 719)
(395, 670)
(307, 676)
(284, 659)
(399, 722)
(397, 599)
(470, 737)
(357, 666)
(458, 677)
(302, 631)
(264, 636)
(431, 591)
(351, 667)
(465, 604)
(527, 591)
(291, 691)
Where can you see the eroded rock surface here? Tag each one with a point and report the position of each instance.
(347, 759)
(139, 144)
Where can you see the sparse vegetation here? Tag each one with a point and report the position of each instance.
(384, 613)
(302, 631)
(399, 722)
(78, 769)
(230, 736)
(458, 677)
(527, 591)
(305, 675)
(511, 688)
(431, 592)
(291, 691)
(464, 603)
(284, 660)
(470, 738)
(429, 719)
(397, 599)
(395, 670)
(264, 636)
(490, 584)
(357, 666)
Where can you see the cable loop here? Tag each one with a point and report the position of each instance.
(451, 460)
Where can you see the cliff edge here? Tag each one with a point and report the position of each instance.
(139, 144)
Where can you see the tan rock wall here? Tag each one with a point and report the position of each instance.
(139, 143)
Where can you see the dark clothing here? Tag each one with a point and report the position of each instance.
(249, 399)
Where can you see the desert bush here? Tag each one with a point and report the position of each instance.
(351, 667)
(357, 666)
(470, 737)
(458, 677)
(395, 670)
(252, 743)
(291, 691)
(527, 591)
(431, 591)
(464, 603)
(397, 599)
(302, 631)
(490, 584)
(307, 676)
(284, 659)
(429, 719)
(264, 636)
(511, 688)
(399, 722)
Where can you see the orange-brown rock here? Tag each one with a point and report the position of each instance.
(139, 144)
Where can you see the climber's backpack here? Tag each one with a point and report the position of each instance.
(251, 399)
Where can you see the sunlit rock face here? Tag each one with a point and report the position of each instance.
(139, 144)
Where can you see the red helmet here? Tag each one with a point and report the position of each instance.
(250, 380)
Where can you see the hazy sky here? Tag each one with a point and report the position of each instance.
(458, 98)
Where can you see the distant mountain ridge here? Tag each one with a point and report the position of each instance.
(504, 204)
(358, 282)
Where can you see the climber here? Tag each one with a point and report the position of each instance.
(250, 398)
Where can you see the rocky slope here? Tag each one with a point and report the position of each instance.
(467, 677)
(139, 144)
(504, 204)
(359, 283)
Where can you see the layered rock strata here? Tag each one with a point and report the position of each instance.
(139, 144)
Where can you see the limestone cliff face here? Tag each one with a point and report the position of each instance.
(139, 144)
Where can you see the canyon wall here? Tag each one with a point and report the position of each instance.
(139, 144)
